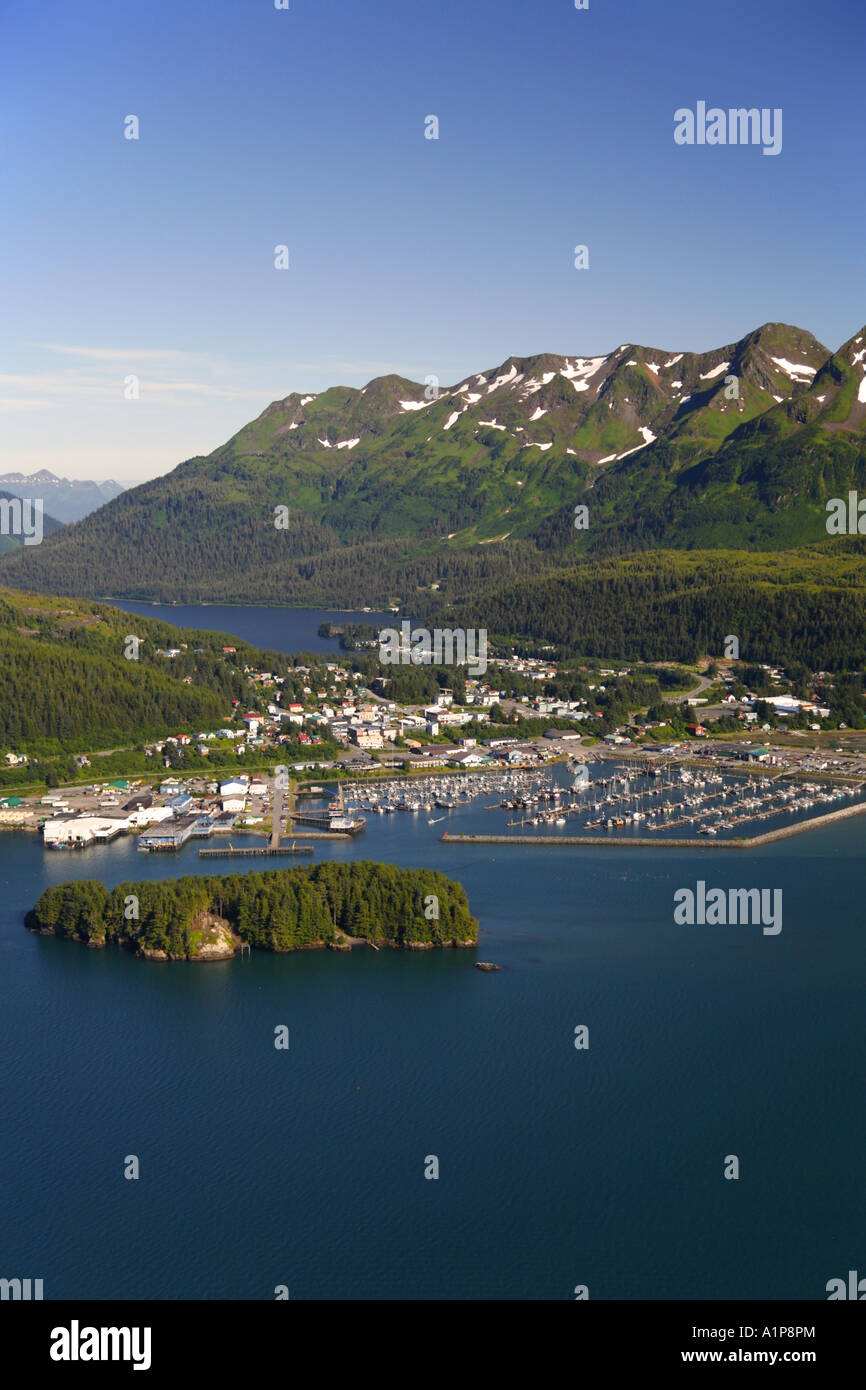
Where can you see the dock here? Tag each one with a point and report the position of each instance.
(335, 823)
(254, 851)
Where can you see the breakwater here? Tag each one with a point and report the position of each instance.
(645, 842)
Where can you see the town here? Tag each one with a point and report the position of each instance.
(331, 719)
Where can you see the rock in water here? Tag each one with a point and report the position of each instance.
(486, 965)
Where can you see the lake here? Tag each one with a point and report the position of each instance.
(275, 629)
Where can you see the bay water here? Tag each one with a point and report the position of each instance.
(558, 1166)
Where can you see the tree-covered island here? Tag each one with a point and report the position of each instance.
(211, 917)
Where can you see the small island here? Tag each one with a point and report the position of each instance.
(200, 918)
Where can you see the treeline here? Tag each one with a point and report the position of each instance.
(278, 910)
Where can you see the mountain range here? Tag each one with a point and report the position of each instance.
(67, 499)
(352, 497)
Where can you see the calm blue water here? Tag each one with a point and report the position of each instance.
(275, 629)
(557, 1167)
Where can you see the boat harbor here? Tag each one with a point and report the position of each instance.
(598, 802)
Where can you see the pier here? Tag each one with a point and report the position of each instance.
(254, 851)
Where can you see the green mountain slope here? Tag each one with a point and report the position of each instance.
(357, 496)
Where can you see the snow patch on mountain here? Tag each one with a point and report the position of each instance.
(795, 372)
(644, 431)
(503, 379)
(535, 383)
(715, 371)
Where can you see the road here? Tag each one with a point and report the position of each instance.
(276, 815)
(704, 683)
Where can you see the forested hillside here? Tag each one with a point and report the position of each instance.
(64, 676)
(807, 605)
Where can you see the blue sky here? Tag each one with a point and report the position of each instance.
(305, 127)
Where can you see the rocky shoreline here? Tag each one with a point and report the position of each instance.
(223, 944)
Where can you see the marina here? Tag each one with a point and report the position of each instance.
(606, 802)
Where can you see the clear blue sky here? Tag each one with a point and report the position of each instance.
(306, 127)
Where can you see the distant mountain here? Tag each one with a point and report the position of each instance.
(67, 499)
(390, 489)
